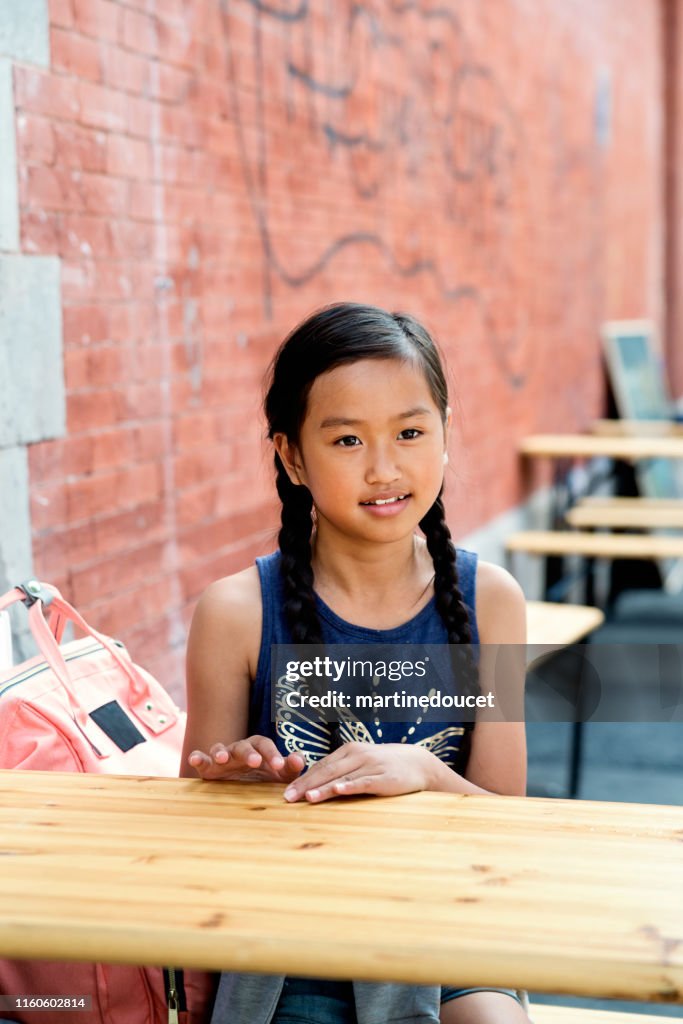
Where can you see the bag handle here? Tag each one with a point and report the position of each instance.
(57, 620)
(39, 596)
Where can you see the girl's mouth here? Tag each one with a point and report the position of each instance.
(386, 506)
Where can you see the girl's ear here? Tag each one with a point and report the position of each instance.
(447, 429)
(289, 456)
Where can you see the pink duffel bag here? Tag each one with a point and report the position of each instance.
(86, 707)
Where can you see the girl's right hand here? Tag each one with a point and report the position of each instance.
(255, 759)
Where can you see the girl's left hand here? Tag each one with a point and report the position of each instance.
(384, 769)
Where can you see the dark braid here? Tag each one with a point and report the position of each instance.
(449, 602)
(297, 573)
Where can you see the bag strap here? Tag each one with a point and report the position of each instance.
(39, 596)
(25, 593)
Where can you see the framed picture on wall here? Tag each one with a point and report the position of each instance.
(636, 370)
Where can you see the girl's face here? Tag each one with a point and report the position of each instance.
(372, 433)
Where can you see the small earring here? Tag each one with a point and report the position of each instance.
(445, 458)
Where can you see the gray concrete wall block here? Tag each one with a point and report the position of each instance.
(16, 561)
(32, 401)
(24, 31)
(9, 202)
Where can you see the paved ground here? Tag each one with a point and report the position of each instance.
(635, 762)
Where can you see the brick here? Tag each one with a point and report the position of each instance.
(196, 467)
(39, 231)
(35, 140)
(46, 94)
(48, 505)
(50, 189)
(61, 13)
(104, 195)
(132, 321)
(79, 147)
(128, 157)
(114, 447)
(90, 410)
(170, 84)
(84, 235)
(190, 125)
(126, 71)
(75, 55)
(100, 19)
(152, 441)
(65, 456)
(116, 573)
(155, 636)
(101, 107)
(82, 279)
(96, 367)
(145, 201)
(141, 116)
(130, 240)
(128, 615)
(141, 33)
(180, 46)
(85, 325)
(120, 488)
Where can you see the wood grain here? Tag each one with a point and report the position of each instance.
(594, 545)
(546, 895)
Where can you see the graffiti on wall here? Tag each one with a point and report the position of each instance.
(374, 127)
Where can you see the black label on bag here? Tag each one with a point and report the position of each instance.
(114, 721)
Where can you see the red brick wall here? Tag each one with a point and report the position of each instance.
(207, 178)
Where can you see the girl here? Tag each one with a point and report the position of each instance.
(358, 414)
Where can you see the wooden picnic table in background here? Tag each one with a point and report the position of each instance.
(588, 446)
(549, 895)
(559, 625)
(638, 428)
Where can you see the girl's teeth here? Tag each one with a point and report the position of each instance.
(385, 501)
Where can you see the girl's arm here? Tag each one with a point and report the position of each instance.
(222, 654)
(497, 761)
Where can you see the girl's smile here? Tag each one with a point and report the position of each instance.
(386, 506)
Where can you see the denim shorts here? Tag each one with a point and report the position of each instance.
(310, 1001)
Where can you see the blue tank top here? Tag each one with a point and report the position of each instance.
(313, 737)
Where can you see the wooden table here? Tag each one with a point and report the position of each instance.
(638, 428)
(429, 888)
(548, 622)
(639, 546)
(620, 513)
(589, 446)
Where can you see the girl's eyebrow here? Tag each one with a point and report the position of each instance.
(345, 421)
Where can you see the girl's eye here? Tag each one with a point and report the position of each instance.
(413, 431)
(342, 441)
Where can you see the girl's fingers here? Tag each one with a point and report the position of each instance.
(198, 759)
(255, 752)
(268, 751)
(336, 765)
(292, 769)
(342, 787)
(321, 777)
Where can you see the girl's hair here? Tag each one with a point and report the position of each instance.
(336, 335)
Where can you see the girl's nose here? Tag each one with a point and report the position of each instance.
(382, 468)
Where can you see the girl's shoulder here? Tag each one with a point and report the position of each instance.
(239, 592)
(500, 605)
(230, 609)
